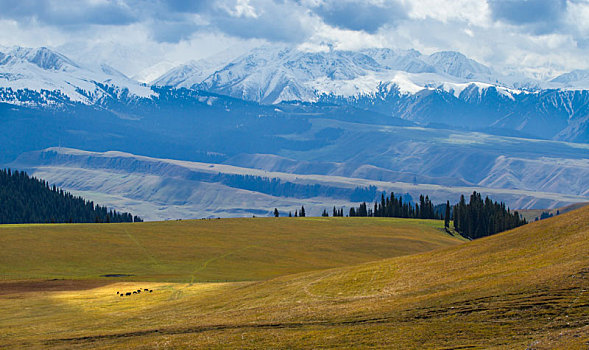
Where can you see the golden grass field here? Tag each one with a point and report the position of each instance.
(531, 214)
(341, 283)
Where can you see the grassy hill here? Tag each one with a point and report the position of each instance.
(209, 250)
(531, 214)
(525, 288)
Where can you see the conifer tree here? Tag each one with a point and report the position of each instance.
(447, 215)
(481, 218)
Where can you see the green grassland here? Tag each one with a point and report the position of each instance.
(525, 288)
(209, 250)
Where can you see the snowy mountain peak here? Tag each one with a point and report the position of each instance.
(275, 73)
(456, 64)
(106, 69)
(271, 74)
(42, 57)
(409, 61)
(573, 77)
(38, 69)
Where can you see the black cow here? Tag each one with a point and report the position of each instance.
(128, 293)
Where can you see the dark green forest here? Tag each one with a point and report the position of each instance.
(480, 218)
(27, 200)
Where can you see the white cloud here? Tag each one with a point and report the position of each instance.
(475, 12)
(242, 8)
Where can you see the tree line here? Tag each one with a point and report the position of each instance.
(476, 219)
(25, 199)
(395, 207)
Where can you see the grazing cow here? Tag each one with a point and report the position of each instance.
(151, 290)
(128, 293)
(138, 291)
(145, 289)
(134, 292)
(121, 295)
(117, 293)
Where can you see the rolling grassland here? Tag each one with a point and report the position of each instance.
(525, 288)
(208, 250)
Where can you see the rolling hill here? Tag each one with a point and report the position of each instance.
(209, 250)
(525, 288)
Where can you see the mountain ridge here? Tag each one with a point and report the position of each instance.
(445, 89)
(42, 69)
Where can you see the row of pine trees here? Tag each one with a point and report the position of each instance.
(25, 199)
(394, 207)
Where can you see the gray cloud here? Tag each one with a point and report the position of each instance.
(273, 21)
(257, 19)
(172, 31)
(187, 6)
(538, 16)
(67, 12)
(360, 15)
(169, 21)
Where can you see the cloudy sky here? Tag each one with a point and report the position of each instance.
(140, 37)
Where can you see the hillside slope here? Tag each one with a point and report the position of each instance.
(208, 250)
(525, 288)
(521, 288)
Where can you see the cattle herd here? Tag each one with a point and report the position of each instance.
(138, 291)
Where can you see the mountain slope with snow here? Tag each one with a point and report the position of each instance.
(577, 79)
(444, 89)
(42, 69)
(271, 74)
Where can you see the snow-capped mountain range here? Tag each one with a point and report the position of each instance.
(272, 74)
(281, 73)
(42, 69)
(444, 88)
